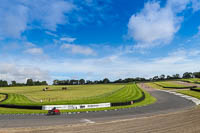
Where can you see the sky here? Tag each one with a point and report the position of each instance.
(94, 39)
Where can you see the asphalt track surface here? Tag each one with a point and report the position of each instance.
(166, 103)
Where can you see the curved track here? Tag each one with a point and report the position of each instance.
(166, 103)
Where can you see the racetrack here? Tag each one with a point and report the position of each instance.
(166, 103)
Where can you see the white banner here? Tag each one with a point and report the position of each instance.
(82, 106)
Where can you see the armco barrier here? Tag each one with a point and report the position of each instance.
(130, 102)
(193, 89)
(20, 106)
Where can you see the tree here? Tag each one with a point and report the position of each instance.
(187, 75)
(73, 82)
(81, 81)
(162, 77)
(176, 76)
(3, 83)
(118, 81)
(88, 82)
(55, 82)
(14, 83)
(44, 83)
(169, 77)
(196, 74)
(106, 80)
(155, 78)
(29, 82)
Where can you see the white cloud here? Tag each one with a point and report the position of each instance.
(51, 34)
(50, 12)
(115, 67)
(13, 19)
(18, 15)
(78, 49)
(29, 44)
(196, 5)
(155, 25)
(20, 73)
(177, 6)
(68, 39)
(34, 51)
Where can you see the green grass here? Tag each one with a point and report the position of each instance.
(148, 100)
(2, 97)
(16, 99)
(190, 93)
(168, 84)
(124, 94)
(74, 95)
(192, 80)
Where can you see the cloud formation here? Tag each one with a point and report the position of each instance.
(68, 39)
(155, 25)
(10, 72)
(18, 15)
(34, 51)
(78, 49)
(13, 19)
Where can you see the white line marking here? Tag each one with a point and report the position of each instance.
(87, 121)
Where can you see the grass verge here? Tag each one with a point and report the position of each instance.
(192, 80)
(2, 97)
(190, 93)
(170, 85)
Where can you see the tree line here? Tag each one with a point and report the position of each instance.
(29, 82)
(127, 80)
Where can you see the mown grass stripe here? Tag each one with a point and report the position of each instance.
(126, 93)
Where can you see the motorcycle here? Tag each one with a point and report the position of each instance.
(54, 111)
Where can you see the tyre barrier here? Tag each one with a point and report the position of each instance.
(193, 89)
(188, 87)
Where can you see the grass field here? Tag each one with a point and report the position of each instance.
(74, 95)
(112, 93)
(192, 80)
(190, 93)
(82, 94)
(148, 100)
(168, 84)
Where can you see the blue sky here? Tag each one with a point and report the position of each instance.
(93, 39)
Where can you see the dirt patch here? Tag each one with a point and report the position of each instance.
(146, 87)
